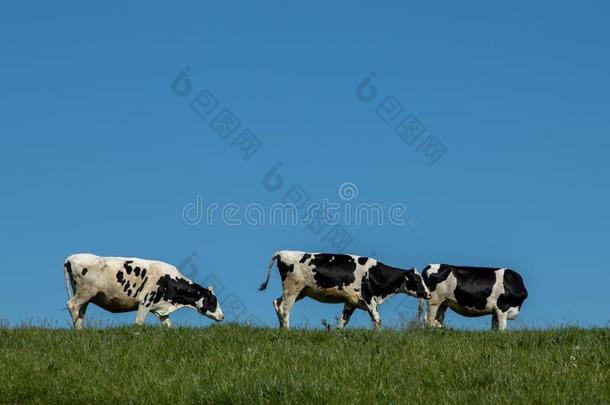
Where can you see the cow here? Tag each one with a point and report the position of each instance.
(121, 284)
(473, 291)
(356, 281)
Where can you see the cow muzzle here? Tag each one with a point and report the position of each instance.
(217, 315)
(424, 294)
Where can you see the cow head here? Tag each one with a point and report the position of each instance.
(208, 304)
(414, 285)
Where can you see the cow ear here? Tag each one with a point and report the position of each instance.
(211, 289)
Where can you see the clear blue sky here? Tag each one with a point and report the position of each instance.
(97, 153)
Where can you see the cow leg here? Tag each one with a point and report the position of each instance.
(276, 304)
(78, 322)
(494, 321)
(163, 317)
(283, 308)
(502, 319)
(165, 321)
(431, 315)
(141, 316)
(77, 306)
(374, 314)
(440, 315)
(348, 310)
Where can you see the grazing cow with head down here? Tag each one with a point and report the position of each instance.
(120, 284)
(356, 281)
(473, 291)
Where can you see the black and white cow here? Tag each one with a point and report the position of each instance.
(473, 291)
(120, 284)
(356, 281)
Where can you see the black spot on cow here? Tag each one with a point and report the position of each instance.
(284, 268)
(129, 292)
(126, 287)
(85, 271)
(305, 257)
(140, 288)
(362, 260)
(474, 285)
(381, 281)
(156, 297)
(514, 291)
(68, 267)
(333, 270)
(143, 273)
(127, 266)
(181, 291)
(210, 303)
(136, 271)
(433, 279)
(119, 277)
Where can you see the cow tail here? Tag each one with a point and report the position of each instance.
(68, 278)
(264, 284)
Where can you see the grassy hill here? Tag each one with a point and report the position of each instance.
(231, 363)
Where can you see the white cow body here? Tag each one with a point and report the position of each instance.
(121, 284)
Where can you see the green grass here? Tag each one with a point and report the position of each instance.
(239, 364)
